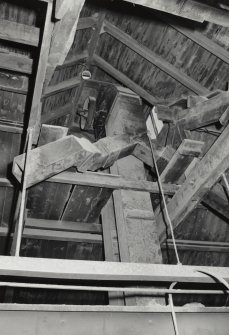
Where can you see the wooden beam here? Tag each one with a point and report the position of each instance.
(208, 170)
(77, 227)
(19, 33)
(52, 235)
(106, 271)
(204, 246)
(156, 60)
(35, 114)
(62, 86)
(63, 35)
(16, 62)
(203, 113)
(114, 182)
(105, 66)
(189, 9)
(183, 157)
(217, 203)
(55, 157)
(21, 90)
(57, 113)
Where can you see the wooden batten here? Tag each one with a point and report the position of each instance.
(19, 33)
(16, 62)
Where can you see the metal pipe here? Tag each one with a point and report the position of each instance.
(23, 195)
(111, 289)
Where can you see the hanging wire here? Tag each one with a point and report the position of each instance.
(164, 202)
(173, 310)
(23, 194)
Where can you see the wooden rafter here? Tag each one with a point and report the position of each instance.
(150, 56)
(199, 38)
(189, 9)
(35, 114)
(198, 182)
(62, 86)
(63, 34)
(122, 78)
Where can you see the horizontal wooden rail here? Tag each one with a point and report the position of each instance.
(18, 32)
(106, 271)
(16, 62)
(110, 181)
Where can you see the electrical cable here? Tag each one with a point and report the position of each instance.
(173, 310)
(164, 201)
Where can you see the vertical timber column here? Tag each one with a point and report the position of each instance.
(136, 226)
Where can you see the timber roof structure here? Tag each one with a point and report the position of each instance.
(79, 83)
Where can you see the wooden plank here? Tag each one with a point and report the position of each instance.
(10, 129)
(156, 60)
(16, 62)
(80, 227)
(62, 86)
(98, 271)
(190, 9)
(137, 235)
(85, 203)
(13, 83)
(179, 163)
(19, 33)
(105, 66)
(52, 235)
(114, 182)
(111, 248)
(204, 246)
(45, 200)
(198, 182)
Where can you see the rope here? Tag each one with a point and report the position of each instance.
(165, 205)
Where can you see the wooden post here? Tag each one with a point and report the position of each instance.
(136, 226)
